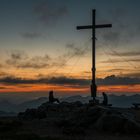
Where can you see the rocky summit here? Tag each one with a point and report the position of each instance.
(77, 118)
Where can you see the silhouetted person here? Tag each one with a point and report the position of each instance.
(52, 99)
(105, 100)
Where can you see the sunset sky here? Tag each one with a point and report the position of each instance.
(41, 50)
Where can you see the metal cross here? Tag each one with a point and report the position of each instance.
(93, 27)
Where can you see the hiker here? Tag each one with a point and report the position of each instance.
(105, 100)
(52, 99)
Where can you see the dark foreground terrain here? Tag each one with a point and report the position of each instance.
(72, 121)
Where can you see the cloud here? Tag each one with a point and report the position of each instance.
(118, 16)
(3, 88)
(1, 65)
(36, 62)
(132, 53)
(62, 80)
(120, 60)
(22, 60)
(132, 74)
(123, 29)
(112, 37)
(67, 80)
(49, 14)
(31, 35)
(32, 65)
(73, 50)
(3, 74)
(53, 80)
(114, 80)
(15, 57)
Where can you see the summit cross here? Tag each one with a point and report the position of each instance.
(93, 27)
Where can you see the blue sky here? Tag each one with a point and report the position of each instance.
(18, 17)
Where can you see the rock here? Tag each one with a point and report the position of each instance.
(131, 127)
(30, 114)
(74, 131)
(110, 123)
(102, 119)
(76, 117)
(116, 122)
(82, 119)
(50, 109)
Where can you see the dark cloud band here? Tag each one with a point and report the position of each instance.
(109, 80)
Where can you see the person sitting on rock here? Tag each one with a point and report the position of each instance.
(105, 100)
(52, 99)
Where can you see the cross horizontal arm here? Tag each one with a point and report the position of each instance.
(103, 26)
(84, 27)
(96, 26)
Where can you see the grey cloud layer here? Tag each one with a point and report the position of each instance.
(109, 80)
(22, 60)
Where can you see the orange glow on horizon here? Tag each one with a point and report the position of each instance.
(120, 88)
(66, 89)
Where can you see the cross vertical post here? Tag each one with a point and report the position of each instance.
(93, 27)
(93, 83)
